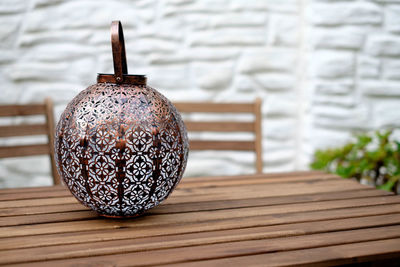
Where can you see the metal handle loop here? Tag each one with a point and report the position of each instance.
(118, 50)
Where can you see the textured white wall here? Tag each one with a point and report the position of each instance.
(354, 75)
(323, 68)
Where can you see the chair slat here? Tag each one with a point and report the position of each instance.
(21, 110)
(23, 130)
(258, 135)
(222, 145)
(26, 150)
(50, 135)
(209, 107)
(219, 126)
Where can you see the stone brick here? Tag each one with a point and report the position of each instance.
(391, 69)
(212, 76)
(36, 71)
(329, 138)
(59, 92)
(337, 100)
(244, 19)
(280, 104)
(233, 95)
(162, 29)
(278, 154)
(386, 113)
(46, 3)
(73, 36)
(9, 30)
(10, 92)
(187, 7)
(383, 45)
(197, 21)
(201, 54)
(267, 60)
(39, 165)
(23, 180)
(57, 52)
(246, 83)
(228, 37)
(280, 128)
(335, 87)
(72, 15)
(368, 67)
(276, 158)
(7, 56)
(337, 13)
(358, 118)
(275, 81)
(392, 18)
(388, 1)
(341, 38)
(13, 6)
(167, 58)
(188, 94)
(333, 64)
(334, 111)
(153, 45)
(278, 167)
(206, 21)
(167, 77)
(380, 88)
(283, 30)
(216, 163)
(271, 5)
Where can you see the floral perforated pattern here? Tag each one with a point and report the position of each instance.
(120, 149)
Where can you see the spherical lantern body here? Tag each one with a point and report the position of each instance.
(121, 148)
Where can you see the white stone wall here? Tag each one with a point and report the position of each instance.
(354, 74)
(322, 68)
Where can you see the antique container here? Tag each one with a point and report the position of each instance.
(121, 147)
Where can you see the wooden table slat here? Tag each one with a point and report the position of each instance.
(157, 234)
(267, 177)
(61, 191)
(207, 205)
(219, 221)
(296, 218)
(188, 195)
(323, 256)
(122, 255)
(208, 215)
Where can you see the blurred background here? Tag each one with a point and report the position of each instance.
(324, 69)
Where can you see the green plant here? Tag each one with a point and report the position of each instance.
(373, 158)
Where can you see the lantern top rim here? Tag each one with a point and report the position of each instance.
(131, 79)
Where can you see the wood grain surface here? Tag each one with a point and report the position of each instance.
(285, 219)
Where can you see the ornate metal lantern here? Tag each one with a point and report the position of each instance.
(121, 146)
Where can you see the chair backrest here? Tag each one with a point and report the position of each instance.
(225, 126)
(46, 128)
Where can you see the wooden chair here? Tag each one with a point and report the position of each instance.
(225, 126)
(46, 128)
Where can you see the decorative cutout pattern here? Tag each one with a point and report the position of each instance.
(121, 149)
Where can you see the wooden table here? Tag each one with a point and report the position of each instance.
(297, 218)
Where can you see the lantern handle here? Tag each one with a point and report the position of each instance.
(118, 50)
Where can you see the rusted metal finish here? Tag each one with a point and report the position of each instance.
(121, 147)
